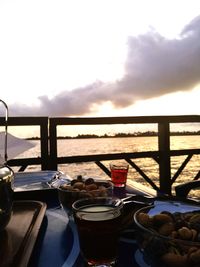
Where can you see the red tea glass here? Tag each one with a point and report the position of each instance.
(119, 173)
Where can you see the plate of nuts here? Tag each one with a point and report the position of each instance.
(169, 238)
(70, 190)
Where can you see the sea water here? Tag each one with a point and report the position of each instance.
(74, 147)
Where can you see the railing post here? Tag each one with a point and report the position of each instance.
(53, 144)
(164, 157)
(44, 144)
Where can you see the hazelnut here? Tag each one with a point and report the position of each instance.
(91, 187)
(66, 187)
(162, 218)
(195, 256)
(144, 219)
(174, 234)
(185, 233)
(194, 234)
(195, 218)
(94, 193)
(89, 181)
(75, 190)
(175, 260)
(166, 229)
(79, 185)
(74, 181)
(103, 194)
(192, 249)
(102, 188)
(79, 178)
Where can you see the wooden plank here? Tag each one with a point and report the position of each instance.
(53, 153)
(145, 177)
(164, 152)
(124, 120)
(181, 168)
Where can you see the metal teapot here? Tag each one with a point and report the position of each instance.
(6, 183)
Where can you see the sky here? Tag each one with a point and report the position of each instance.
(100, 57)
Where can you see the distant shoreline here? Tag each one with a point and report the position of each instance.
(135, 134)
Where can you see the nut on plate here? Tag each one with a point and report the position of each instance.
(144, 219)
(172, 240)
(194, 256)
(185, 233)
(162, 218)
(82, 188)
(79, 185)
(175, 260)
(166, 229)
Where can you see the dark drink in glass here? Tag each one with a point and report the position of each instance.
(98, 222)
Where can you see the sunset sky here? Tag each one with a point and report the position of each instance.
(100, 57)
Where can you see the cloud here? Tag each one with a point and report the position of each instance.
(155, 66)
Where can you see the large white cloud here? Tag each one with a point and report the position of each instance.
(155, 66)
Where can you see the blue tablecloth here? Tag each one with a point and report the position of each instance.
(57, 243)
(58, 246)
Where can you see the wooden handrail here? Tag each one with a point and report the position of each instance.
(42, 122)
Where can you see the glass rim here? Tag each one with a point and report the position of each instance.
(119, 165)
(119, 204)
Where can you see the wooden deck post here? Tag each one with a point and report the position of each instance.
(164, 157)
(44, 143)
(53, 144)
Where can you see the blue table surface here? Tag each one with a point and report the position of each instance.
(57, 244)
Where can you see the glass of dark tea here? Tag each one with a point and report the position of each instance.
(119, 173)
(98, 223)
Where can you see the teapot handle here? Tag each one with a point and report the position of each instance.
(6, 131)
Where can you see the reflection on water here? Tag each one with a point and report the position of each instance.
(72, 147)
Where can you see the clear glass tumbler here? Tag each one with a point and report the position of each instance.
(98, 223)
(119, 173)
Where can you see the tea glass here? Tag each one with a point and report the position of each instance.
(98, 222)
(119, 173)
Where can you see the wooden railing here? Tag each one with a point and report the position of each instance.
(42, 123)
(49, 155)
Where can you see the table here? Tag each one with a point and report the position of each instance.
(57, 242)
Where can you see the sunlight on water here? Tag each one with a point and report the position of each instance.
(72, 147)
